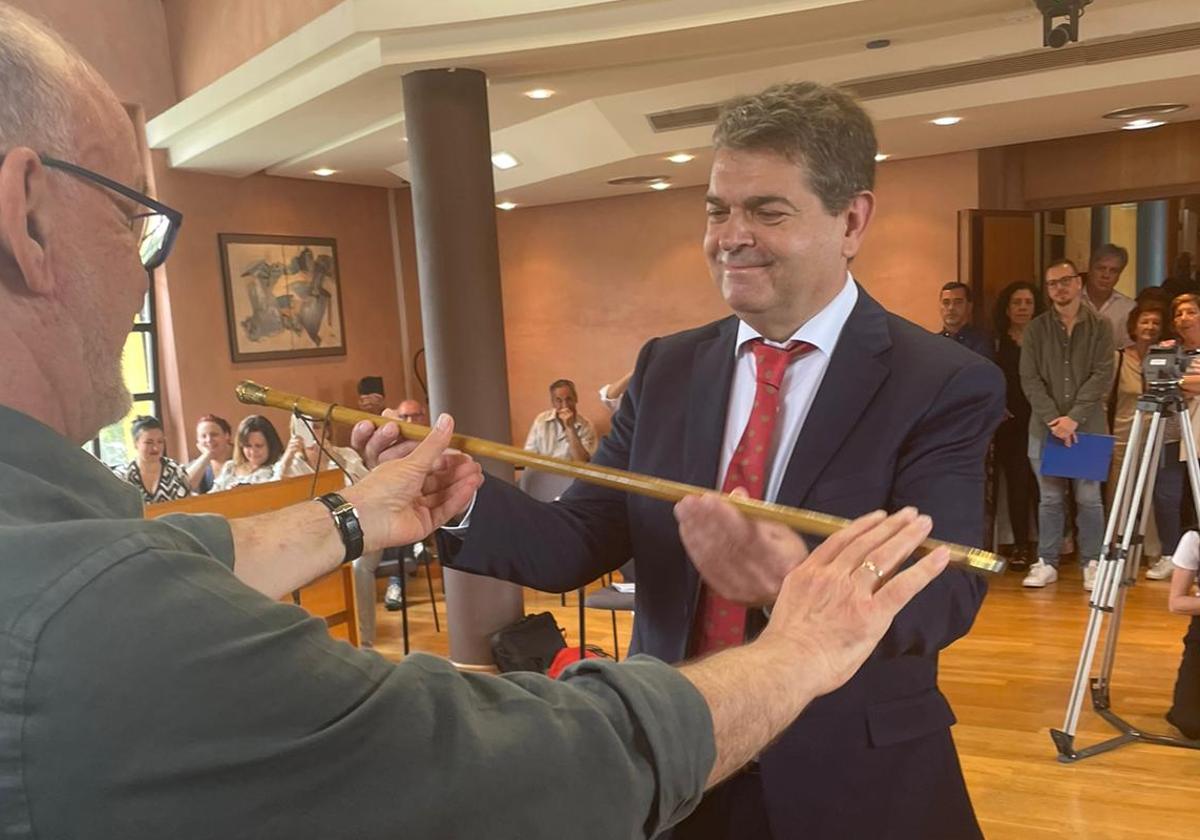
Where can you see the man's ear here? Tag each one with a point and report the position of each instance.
(22, 199)
(858, 216)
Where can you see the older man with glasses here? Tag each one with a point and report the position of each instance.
(1066, 373)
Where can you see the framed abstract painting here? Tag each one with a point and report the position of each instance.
(283, 296)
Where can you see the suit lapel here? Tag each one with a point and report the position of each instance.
(855, 373)
(708, 399)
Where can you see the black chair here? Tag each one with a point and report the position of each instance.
(423, 557)
(611, 599)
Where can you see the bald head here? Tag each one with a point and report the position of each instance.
(411, 411)
(70, 274)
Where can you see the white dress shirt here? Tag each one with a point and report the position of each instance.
(801, 381)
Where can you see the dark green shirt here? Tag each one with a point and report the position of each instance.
(1067, 375)
(145, 692)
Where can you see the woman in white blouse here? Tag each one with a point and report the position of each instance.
(260, 456)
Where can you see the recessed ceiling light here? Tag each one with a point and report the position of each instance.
(881, 157)
(507, 205)
(503, 160)
(661, 185)
(1145, 111)
(638, 180)
(1135, 125)
(539, 93)
(947, 121)
(324, 171)
(681, 157)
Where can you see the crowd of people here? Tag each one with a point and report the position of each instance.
(1072, 353)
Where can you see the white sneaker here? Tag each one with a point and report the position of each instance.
(1040, 574)
(1089, 575)
(1161, 569)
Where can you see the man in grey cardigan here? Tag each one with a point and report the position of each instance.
(1066, 372)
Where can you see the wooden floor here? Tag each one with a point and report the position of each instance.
(1008, 681)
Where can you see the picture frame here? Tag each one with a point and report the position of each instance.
(283, 296)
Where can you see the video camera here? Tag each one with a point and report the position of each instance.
(1165, 365)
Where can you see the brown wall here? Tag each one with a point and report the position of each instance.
(586, 284)
(357, 217)
(911, 249)
(208, 38)
(125, 40)
(1105, 168)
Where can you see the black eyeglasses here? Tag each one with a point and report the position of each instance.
(159, 226)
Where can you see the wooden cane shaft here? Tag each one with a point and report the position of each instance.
(804, 521)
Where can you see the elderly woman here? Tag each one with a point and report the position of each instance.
(1015, 307)
(259, 456)
(214, 440)
(158, 477)
(1146, 326)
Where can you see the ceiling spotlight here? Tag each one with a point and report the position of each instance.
(947, 121)
(324, 171)
(507, 205)
(681, 157)
(1063, 33)
(881, 157)
(539, 93)
(1140, 111)
(878, 44)
(661, 185)
(1134, 125)
(503, 160)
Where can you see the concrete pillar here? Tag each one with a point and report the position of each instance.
(458, 267)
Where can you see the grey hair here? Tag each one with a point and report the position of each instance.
(815, 126)
(1109, 249)
(37, 89)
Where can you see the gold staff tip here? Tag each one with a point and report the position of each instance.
(251, 392)
(986, 560)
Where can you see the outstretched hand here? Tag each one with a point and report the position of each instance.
(834, 608)
(413, 488)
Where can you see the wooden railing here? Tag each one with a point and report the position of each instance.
(330, 597)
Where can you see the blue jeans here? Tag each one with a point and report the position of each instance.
(1089, 515)
(1168, 497)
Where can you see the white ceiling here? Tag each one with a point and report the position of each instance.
(330, 94)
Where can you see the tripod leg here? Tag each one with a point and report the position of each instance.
(1138, 450)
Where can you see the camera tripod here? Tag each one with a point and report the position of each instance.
(1117, 570)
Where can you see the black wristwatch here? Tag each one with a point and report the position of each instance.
(346, 519)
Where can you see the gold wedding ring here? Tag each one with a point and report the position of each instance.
(872, 568)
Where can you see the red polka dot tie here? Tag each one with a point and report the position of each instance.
(721, 623)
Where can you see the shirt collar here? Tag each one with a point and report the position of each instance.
(821, 330)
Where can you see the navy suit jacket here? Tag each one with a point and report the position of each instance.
(902, 417)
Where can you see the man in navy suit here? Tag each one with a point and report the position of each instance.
(866, 411)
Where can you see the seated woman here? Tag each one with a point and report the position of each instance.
(1185, 711)
(158, 477)
(214, 440)
(259, 456)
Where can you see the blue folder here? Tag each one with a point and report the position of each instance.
(1087, 458)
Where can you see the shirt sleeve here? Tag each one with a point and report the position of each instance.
(588, 436)
(202, 699)
(1187, 553)
(531, 439)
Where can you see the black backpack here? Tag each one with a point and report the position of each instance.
(528, 645)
